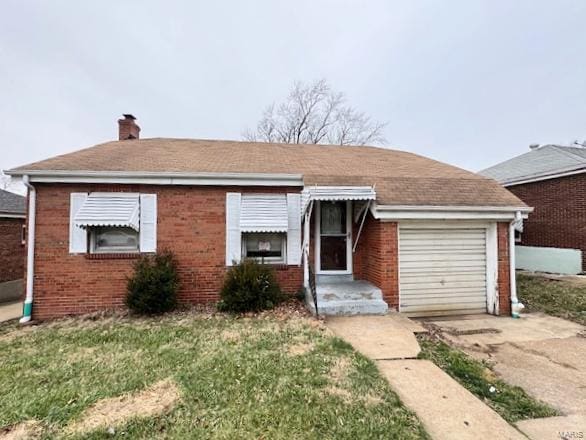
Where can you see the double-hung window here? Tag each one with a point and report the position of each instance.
(113, 223)
(265, 247)
(112, 239)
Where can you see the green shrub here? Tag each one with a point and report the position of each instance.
(249, 287)
(153, 287)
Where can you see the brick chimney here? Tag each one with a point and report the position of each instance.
(127, 128)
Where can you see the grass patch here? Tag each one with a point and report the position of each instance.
(237, 377)
(511, 402)
(563, 299)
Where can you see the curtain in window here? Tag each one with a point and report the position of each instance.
(333, 220)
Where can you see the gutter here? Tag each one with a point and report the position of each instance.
(447, 212)
(27, 311)
(11, 215)
(160, 178)
(455, 208)
(540, 177)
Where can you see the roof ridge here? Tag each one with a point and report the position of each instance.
(562, 149)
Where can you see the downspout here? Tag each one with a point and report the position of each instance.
(516, 306)
(30, 256)
(306, 244)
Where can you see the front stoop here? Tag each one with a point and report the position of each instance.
(349, 298)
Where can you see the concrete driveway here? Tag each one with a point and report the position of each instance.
(544, 355)
(10, 311)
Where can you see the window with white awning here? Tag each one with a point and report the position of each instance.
(109, 209)
(113, 222)
(263, 226)
(263, 213)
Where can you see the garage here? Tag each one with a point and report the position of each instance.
(444, 269)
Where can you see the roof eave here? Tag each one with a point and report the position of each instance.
(159, 178)
(540, 177)
(9, 214)
(447, 212)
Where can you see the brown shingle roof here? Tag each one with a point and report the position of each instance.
(400, 177)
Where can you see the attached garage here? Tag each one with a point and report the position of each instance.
(446, 268)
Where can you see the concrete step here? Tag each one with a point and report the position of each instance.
(325, 278)
(352, 307)
(346, 291)
(349, 298)
(327, 295)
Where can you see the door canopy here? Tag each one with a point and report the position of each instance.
(333, 193)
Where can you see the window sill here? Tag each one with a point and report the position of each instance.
(279, 266)
(113, 256)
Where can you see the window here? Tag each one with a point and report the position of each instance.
(113, 240)
(267, 247)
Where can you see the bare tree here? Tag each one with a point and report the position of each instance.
(7, 183)
(315, 114)
(4, 180)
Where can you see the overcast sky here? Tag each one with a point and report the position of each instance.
(467, 82)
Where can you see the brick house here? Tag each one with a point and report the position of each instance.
(374, 228)
(12, 217)
(552, 179)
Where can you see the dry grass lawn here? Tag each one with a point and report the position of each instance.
(192, 375)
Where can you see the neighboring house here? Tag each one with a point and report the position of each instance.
(12, 217)
(552, 179)
(380, 228)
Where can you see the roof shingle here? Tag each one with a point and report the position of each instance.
(401, 178)
(11, 203)
(539, 162)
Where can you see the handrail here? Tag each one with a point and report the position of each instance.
(313, 289)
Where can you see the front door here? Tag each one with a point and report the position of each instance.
(334, 237)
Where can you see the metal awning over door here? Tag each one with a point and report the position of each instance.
(335, 193)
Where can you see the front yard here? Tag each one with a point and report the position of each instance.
(561, 298)
(193, 375)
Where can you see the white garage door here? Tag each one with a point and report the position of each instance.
(442, 271)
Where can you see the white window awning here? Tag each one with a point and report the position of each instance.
(333, 193)
(109, 209)
(263, 213)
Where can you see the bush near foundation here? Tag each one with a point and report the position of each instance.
(153, 287)
(249, 287)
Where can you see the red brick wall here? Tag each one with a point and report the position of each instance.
(504, 276)
(12, 251)
(560, 213)
(376, 258)
(191, 222)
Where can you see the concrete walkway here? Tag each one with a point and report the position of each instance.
(378, 337)
(10, 311)
(550, 427)
(542, 354)
(446, 409)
